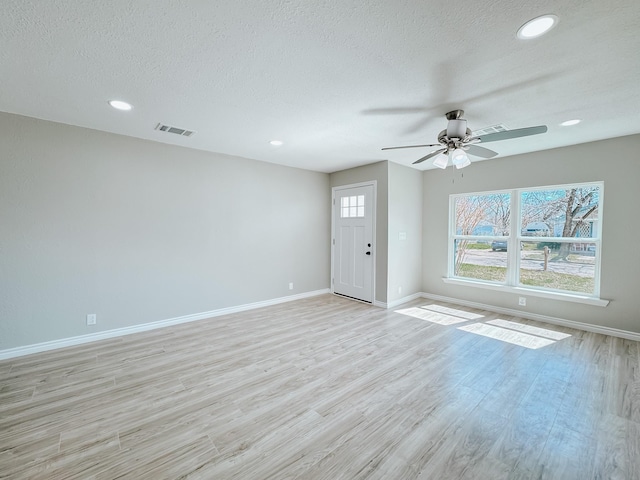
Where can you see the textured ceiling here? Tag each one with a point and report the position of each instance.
(335, 80)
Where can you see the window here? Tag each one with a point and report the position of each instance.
(352, 206)
(482, 222)
(546, 239)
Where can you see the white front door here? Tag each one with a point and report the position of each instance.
(353, 252)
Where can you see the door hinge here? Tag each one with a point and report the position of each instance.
(334, 241)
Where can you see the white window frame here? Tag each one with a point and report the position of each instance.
(514, 239)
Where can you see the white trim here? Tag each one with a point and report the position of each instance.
(566, 297)
(614, 332)
(118, 332)
(399, 301)
(514, 257)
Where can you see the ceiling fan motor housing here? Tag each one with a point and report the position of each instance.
(457, 128)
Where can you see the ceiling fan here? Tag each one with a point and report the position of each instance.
(457, 140)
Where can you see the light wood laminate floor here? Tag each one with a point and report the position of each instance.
(327, 388)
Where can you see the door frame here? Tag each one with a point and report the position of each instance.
(374, 184)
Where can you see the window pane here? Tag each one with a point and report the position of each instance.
(353, 211)
(568, 266)
(345, 212)
(345, 201)
(476, 259)
(361, 211)
(352, 201)
(571, 212)
(360, 200)
(483, 214)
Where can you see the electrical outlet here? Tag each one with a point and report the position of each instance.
(92, 319)
(522, 301)
(291, 286)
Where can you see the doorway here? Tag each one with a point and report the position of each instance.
(352, 245)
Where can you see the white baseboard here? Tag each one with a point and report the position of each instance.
(399, 301)
(614, 332)
(118, 332)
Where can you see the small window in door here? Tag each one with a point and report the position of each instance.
(352, 206)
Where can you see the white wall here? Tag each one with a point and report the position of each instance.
(137, 231)
(615, 161)
(405, 216)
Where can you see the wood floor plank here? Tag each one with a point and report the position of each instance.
(466, 447)
(618, 449)
(327, 388)
(567, 454)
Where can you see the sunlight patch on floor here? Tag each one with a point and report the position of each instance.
(453, 311)
(505, 335)
(435, 316)
(524, 335)
(540, 332)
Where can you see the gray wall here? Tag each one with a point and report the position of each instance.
(405, 215)
(615, 161)
(137, 231)
(376, 171)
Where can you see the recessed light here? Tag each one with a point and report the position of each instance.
(120, 105)
(276, 143)
(538, 26)
(568, 123)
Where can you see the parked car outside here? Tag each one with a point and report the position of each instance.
(499, 245)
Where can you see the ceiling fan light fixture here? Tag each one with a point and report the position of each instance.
(465, 163)
(537, 26)
(441, 160)
(458, 157)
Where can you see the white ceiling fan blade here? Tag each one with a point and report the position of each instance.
(480, 151)
(518, 132)
(412, 146)
(432, 154)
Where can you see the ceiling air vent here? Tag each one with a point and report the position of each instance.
(487, 130)
(178, 131)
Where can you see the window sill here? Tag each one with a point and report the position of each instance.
(567, 297)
